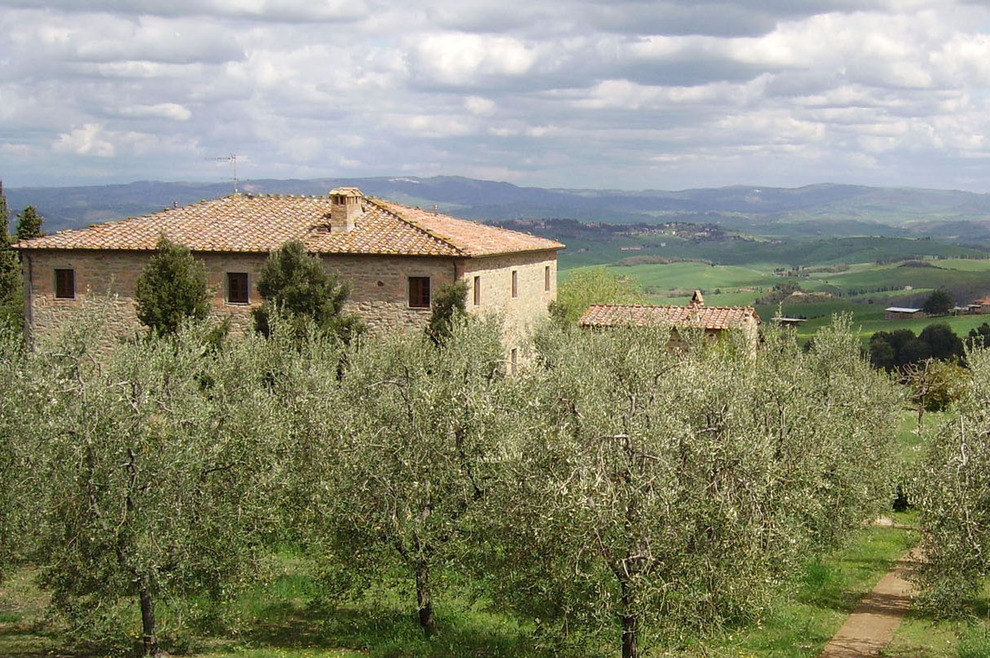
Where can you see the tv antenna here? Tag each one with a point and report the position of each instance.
(232, 159)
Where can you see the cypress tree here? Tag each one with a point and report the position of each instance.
(11, 282)
(171, 289)
(29, 224)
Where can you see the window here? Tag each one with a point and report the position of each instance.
(65, 284)
(546, 279)
(515, 283)
(237, 288)
(419, 292)
(477, 290)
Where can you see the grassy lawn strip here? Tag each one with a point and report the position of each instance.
(820, 600)
(922, 637)
(281, 619)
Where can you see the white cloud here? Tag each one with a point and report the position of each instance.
(172, 111)
(458, 58)
(85, 140)
(625, 93)
(479, 106)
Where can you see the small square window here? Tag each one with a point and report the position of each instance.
(237, 288)
(515, 283)
(546, 279)
(419, 292)
(65, 284)
(477, 290)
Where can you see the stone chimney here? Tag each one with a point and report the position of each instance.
(345, 207)
(697, 299)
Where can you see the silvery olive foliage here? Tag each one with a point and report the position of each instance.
(405, 452)
(614, 491)
(152, 460)
(955, 497)
(659, 490)
(15, 459)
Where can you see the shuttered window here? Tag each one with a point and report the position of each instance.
(419, 292)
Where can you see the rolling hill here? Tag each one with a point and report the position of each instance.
(828, 210)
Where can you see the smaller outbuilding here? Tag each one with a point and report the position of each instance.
(902, 313)
(715, 321)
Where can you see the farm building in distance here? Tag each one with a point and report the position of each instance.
(715, 321)
(902, 313)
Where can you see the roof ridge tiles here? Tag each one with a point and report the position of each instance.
(382, 204)
(249, 222)
(698, 307)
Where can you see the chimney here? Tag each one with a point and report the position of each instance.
(345, 206)
(697, 299)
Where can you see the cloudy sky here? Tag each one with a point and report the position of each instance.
(631, 94)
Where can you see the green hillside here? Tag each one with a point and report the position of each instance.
(862, 289)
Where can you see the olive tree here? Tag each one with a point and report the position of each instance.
(156, 456)
(407, 449)
(955, 497)
(657, 490)
(17, 500)
(933, 385)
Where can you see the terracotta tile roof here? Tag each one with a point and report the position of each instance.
(704, 317)
(262, 223)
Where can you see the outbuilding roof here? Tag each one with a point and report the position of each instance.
(263, 223)
(695, 315)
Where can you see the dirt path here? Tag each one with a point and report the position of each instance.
(871, 626)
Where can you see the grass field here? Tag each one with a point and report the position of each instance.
(759, 251)
(861, 289)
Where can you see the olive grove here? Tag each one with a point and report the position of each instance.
(955, 497)
(669, 491)
(150, 462)
(613, 492)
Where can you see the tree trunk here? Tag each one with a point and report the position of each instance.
(149, 638)
(630, 624)
(425, 598)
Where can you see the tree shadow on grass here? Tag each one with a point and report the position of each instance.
(381, 630)
(30, 640)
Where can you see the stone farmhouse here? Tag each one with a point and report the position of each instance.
(393, 257)
(715, 321)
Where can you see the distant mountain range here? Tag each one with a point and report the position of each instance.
(825, 209)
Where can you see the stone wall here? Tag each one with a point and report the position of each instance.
(379, 287)
(536, 287)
